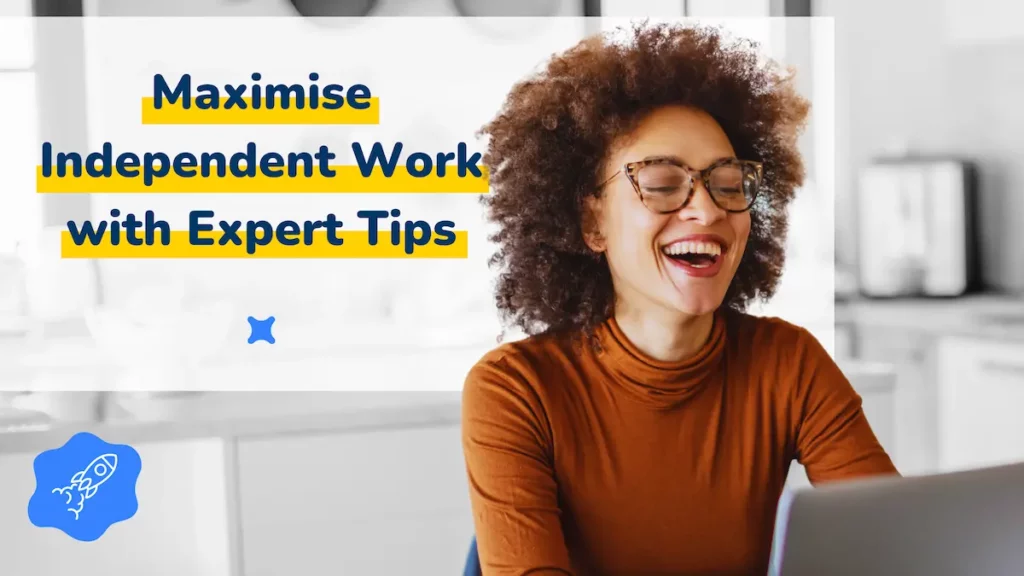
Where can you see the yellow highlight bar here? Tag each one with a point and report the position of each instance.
(347, 180)
(175, 114)
(355, 244)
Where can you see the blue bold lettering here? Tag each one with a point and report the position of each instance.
(162, 91)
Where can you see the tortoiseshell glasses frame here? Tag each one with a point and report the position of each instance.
(752, 174)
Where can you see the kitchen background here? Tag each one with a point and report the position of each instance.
(915, 121)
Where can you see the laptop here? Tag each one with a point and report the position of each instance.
(968, 523)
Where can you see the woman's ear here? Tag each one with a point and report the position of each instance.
(592, 235)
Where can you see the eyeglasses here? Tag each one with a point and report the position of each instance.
(665, 184)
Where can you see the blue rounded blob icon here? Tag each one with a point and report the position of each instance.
(85, 486)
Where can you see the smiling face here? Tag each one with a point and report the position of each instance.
(682, 262)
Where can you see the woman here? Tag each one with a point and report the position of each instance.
(647, 424)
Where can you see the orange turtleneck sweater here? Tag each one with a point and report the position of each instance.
(598, 462)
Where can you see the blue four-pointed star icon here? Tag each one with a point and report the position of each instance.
(261, 330)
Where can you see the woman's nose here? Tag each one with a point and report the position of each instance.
(701, 206)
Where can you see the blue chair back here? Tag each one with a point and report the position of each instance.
(473, 567)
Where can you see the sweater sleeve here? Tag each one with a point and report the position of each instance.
(513, 491)
(833, 439)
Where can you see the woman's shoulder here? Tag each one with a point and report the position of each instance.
(514, 381)
(524, 359)
(770, 333)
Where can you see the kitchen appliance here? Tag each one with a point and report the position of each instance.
(917, 232)
(486, 17)
(472, 8)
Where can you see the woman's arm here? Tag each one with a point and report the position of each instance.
(833, 439)
(507, 445)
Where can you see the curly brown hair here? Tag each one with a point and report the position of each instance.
(551, 137)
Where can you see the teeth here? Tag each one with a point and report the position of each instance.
(679, 248)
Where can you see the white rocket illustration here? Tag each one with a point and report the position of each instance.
(87, 481)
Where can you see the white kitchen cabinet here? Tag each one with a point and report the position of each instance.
(181, 526)
(914, 428)
(981, 392)
(877, 386)
(361, 503)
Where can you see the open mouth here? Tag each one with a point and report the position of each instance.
(699, 255)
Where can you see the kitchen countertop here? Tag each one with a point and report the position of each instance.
(243, 415)
(79, 364)
(358, 380)
(406, 384)
(180, 417)
(993, 316)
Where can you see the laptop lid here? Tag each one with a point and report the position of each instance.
(956, 524)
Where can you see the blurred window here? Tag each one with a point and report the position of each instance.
(19, 204)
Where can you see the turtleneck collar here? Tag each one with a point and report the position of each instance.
(656, 382)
